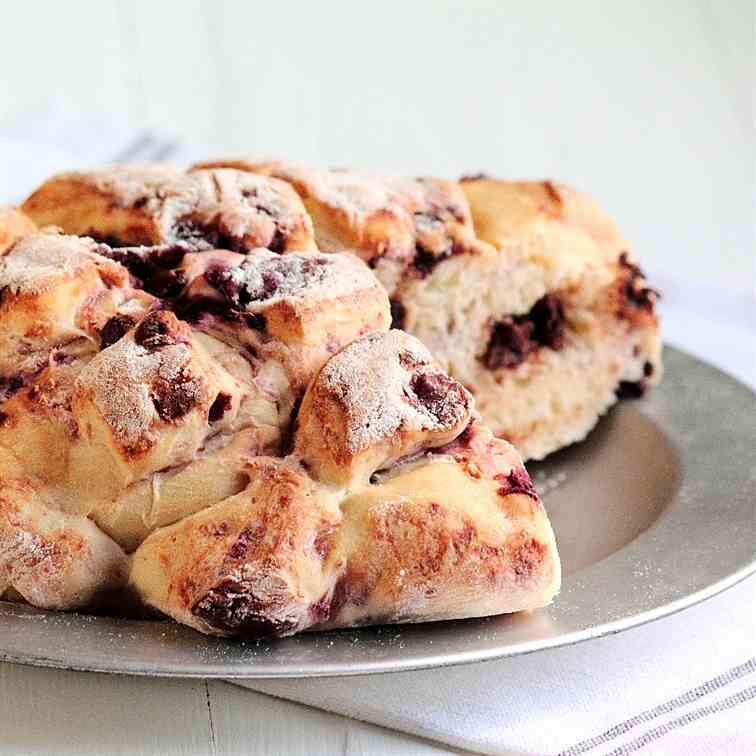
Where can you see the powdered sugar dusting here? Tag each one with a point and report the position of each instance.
(120, 380)
(38, 262)
(131, 184)
(207, 207)
(356, 194)
(264, 278)
(378, 381)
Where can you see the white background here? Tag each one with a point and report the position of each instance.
(648, 105)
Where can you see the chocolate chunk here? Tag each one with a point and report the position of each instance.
(634, 292)
(515, 337)
(219, 278)
(240, 293)
(473, 177)
(154, 332)
(631, 389)
(510, 344)
(115, 329)
(195, 309)
(10, 384)
(547, 316)
(465, 438)
(516, 482)
(278, 243)
(409, 361)
(219, 407)
(425, 261)
(440, 395)
(62, 358)
(256, 321)
(173, 400)
(232, 606)
(154, 267)
(398, 314)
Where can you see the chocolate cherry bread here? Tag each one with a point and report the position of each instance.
(234, 436)
(525, 292)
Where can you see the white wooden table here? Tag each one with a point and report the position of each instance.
(57, 712)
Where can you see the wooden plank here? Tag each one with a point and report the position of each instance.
(245, 721)
(54, 711)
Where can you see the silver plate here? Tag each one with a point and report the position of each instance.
(655, 512)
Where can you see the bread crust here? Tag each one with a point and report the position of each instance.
(216, 399)
(155, 204)
(427, 518)
(13, 226)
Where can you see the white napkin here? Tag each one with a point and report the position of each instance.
(683, 684)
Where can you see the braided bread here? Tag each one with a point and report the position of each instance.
(524, 291)
(235, 437)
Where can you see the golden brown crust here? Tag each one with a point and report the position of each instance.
(378, 400)
(504, 212)
(156, 204)
(56, 294)
(13, 226)
(52, 559)
(250, 565)
(400, 226)
(456, 530)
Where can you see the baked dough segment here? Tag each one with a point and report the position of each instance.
(159, 426)
(399, 226)
(583, 331)
(56, 294)
(290, 312)
(328, 539)
(458, 533)
(52, 559)
(251, 565)
(155, 204)
(147, 402)
(378, 400)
